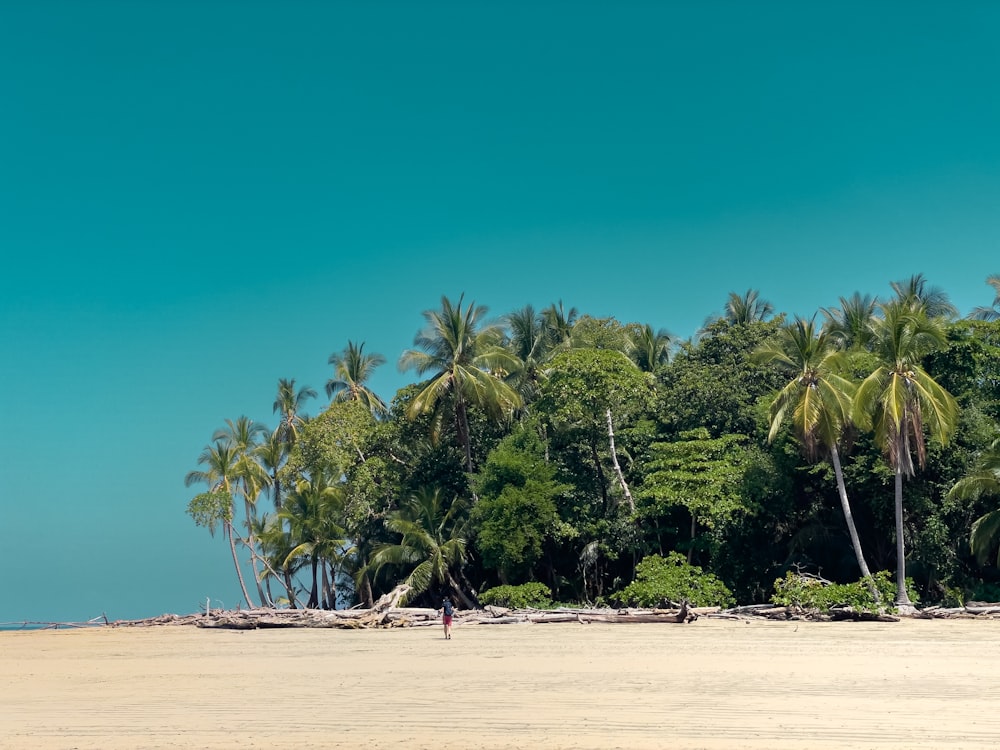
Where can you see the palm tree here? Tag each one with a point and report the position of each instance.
(271, 454)
(529, 343)
(433, 543)
(819, 401)
(984, 481)
(465, 357)
(559, 324)
(747, 308)
(289, 403)
(992, 312)
(850, 324)
(900, 400)
(649, 349)
(251, 478)
(351, 370)
(221, 462)
(916, 291)
(314, 512)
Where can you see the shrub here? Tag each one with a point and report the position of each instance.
(662, 581)
(535, 595)
(808, 592)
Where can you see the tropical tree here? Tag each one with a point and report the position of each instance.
(993, 311)
(559, 323)
(900, 400)
(466, 359)
(818, 400)
(271, 453)
(433, 544)
(529, 342)
(352, 369)
(314, 513)
(917, 291)
(850, 324)
(648, 348)
(288, 403)
(216, 507)
(984, 481)
(745, 308)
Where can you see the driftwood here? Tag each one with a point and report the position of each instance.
(386, 613)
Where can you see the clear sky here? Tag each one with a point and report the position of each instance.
(198, 198)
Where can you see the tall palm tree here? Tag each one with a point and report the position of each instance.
(433, 543)
(352, 369)
(818, 399)
(464, 356)
(916, 291)
(992, 312)
(850, 324)
(900, 400)
(221, 462)
(289, 404)
(649, 348)
(984, 481)
(243, 434)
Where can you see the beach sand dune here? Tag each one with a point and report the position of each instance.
(709, 684)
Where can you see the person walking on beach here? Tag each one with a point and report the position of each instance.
(447, 612)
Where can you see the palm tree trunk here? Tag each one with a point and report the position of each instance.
(458, 591)
(902, 598)
(614, 462)
(236, 562)
(849, 517)
(462, 424)
(252, 546)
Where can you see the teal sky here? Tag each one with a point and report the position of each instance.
(200, 198)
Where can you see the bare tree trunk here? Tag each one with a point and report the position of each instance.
(614, 462)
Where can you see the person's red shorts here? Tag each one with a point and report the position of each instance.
(447, 619)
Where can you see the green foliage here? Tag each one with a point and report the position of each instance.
(534, 595)
(808, 592)
(661, 581)
(211, 508)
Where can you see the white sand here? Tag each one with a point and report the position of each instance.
(710, 684)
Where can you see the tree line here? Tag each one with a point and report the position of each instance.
(557, 448)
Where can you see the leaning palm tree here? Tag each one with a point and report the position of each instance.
(993, 311)
(466, 360)
(221, 462)
(900, 400)
(984, 481)
(818, 399)
(433, 543)
(850, 324)
(288, 403)
(352, 369)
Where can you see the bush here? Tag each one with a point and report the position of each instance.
(662, 581)
(535, 595)
(807, 592)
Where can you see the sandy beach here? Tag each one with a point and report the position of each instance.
(708, 684)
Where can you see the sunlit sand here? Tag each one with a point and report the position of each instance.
(708, 684)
